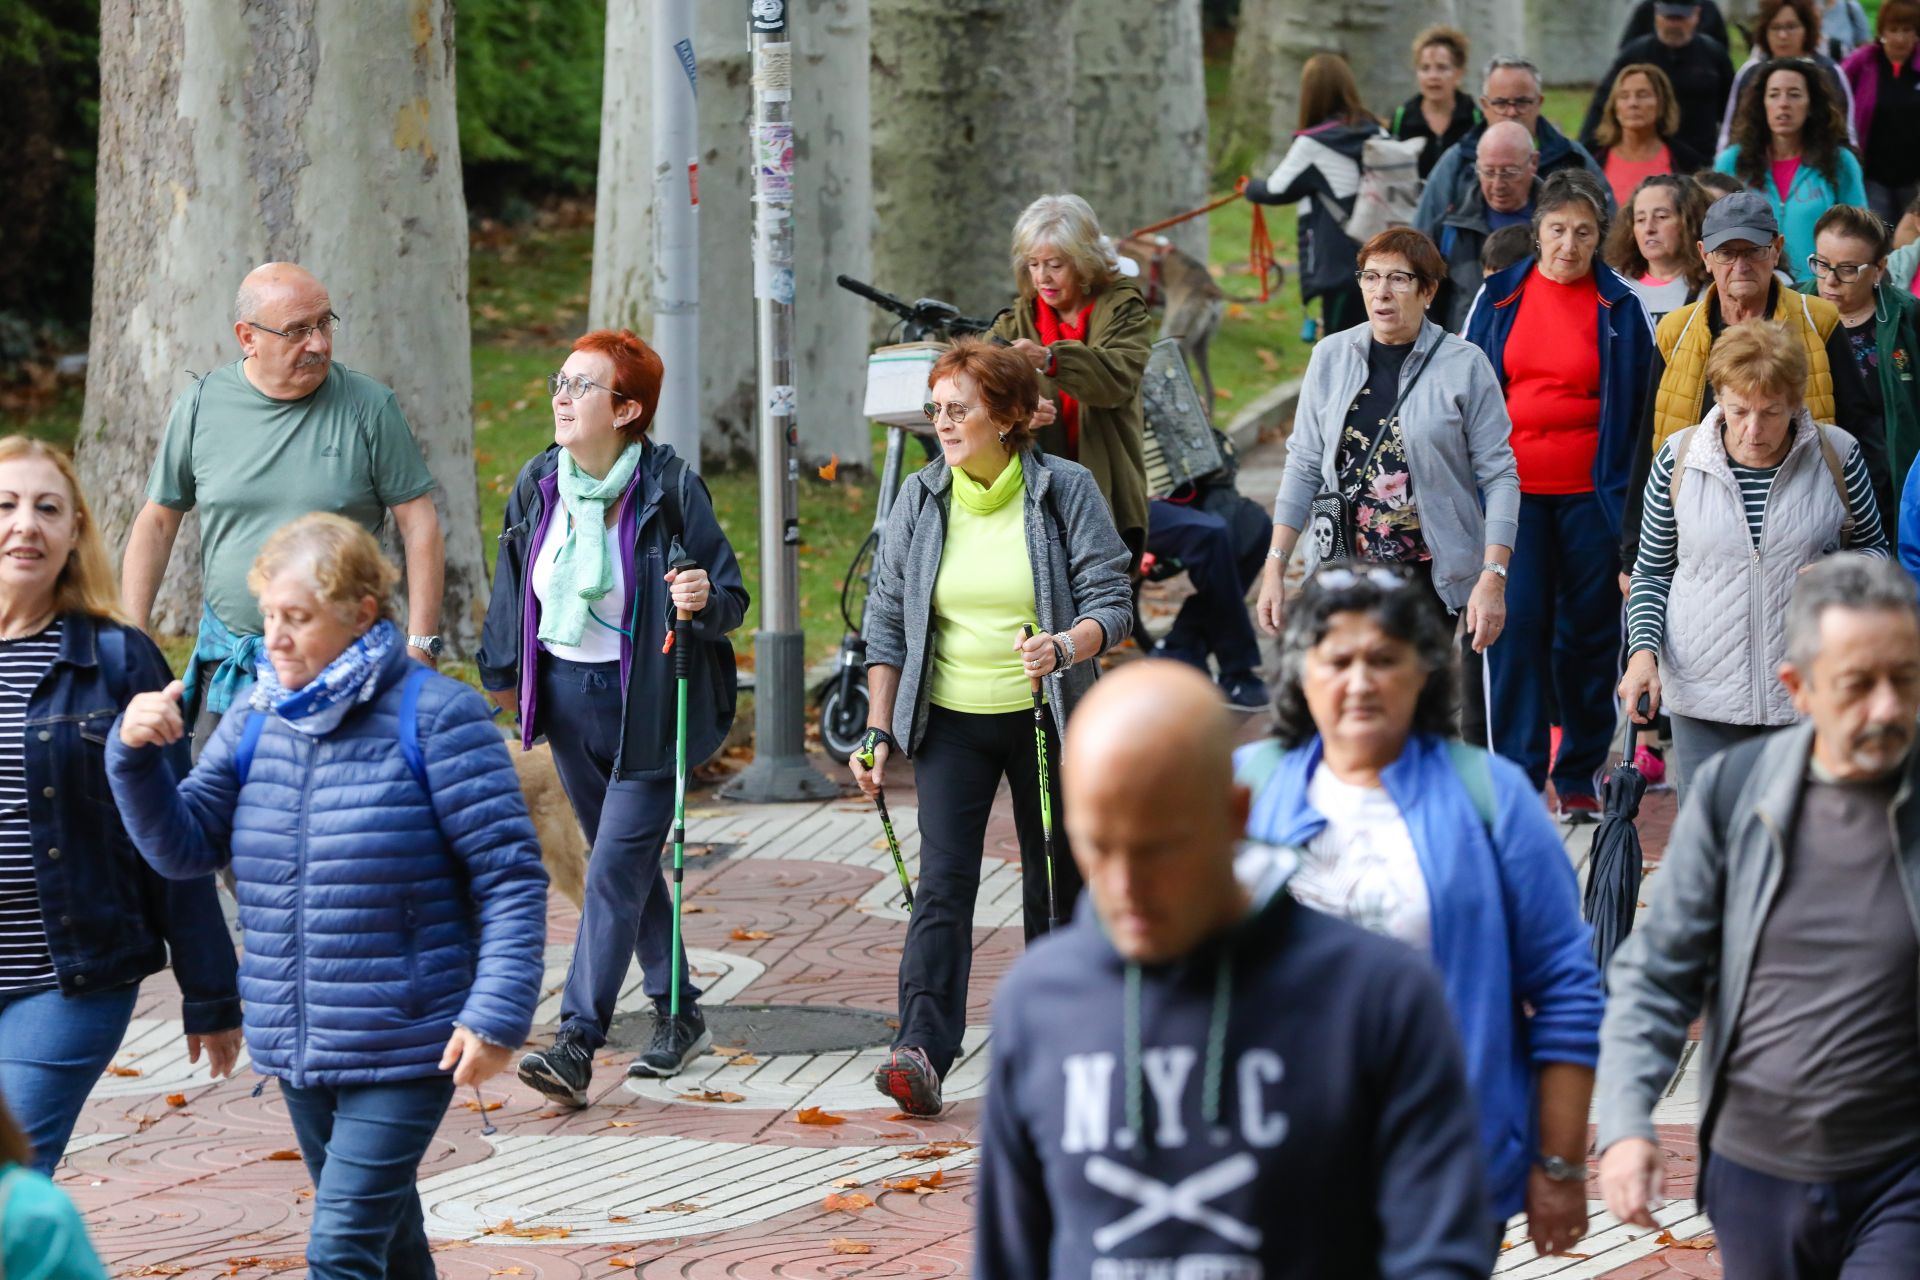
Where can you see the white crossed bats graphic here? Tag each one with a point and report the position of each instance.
(1185, 1200)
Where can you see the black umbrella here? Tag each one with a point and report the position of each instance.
(1614, 869)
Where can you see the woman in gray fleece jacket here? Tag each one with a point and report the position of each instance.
(1408, 423)
(990, 537)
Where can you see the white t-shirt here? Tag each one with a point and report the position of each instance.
(1362, 867)
(597, 643)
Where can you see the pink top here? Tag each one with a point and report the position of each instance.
(1625, 175)
(1914, 288)
(1783, 175)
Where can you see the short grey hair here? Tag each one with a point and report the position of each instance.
(1067, 223)
(1565, 187)
(1511, 62)
(1847, 581)
(246, 303)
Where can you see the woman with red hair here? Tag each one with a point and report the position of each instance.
(607, 534)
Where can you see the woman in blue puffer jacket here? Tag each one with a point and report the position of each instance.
(388, 876)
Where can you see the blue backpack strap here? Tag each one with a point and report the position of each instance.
(249, 739)
(410, 722)
(111, 652)
(1475, 770)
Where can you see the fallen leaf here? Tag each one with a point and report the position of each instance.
(283, 1155)
(618, 1217)
(1223, 393)
(507, 1227)
(936, 1151)
(881, 843)
(508, 1271)
(832, 468)
(751, 935)
(1698, 1242)
(160, 1269)
(743, 1060)
(846, 1204)
(692, 909)
(621, 1261)
(623, 1124)
(814, 1115)
(903, 1184)
(840, 1244)
(727, 1050)
(937, 1177)
(678, 1206)
(1268, 361)
(118, 1070)
(304, 1193)
(176, 1099)
(548, 1115)
(712, 1095)
(479, 1106)
(845, 1182)
(901, 1134)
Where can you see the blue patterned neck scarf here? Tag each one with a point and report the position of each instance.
(317, 707)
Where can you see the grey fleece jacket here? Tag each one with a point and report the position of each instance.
(1079, 572)
(1455, 425)
(1691, 955)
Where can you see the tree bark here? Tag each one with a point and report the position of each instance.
(234, 132)
(727, 353)
(1500, 27)
(1573, 43)
(1140, 110)
(833, 226)
(621, 295)
(1374, 36)
(972, 120)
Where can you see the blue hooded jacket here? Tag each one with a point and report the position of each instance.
(1506, 930)
(377, 916)
(1626, 355)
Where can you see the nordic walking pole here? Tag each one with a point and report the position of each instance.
(1046, 792)
(682, 672)
(864, 755)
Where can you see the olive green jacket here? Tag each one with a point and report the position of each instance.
(1103, 374)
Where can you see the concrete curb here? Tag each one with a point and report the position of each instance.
(1272, 410)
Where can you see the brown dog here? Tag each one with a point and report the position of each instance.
(1193, 300)
(563, 846)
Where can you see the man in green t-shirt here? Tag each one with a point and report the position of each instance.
(277, 434)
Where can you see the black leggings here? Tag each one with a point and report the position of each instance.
(957, 772)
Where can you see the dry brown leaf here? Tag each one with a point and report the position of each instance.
(678, 1206)
(897, 1135)
(936, 1151)
(814, 1115)
(304, 1193)
(283, 1155)
(840, 1244)
(618, 1217)
(506, 1227)
(478, 1106)
(691, 909)
(623, 1124)
(937, 1178)
(508, 1271)
(903, 1184)
(117, 1070)
(831, 469)
(712, 1095)
(846, 1204)
(727, 1050)
(1268, 361)
(176, 1099)
(743, 1060)
(845, 1182)
(622, 1261)
(160, 1269)
(750, 935)
(1698, 1242)
(1223, 393)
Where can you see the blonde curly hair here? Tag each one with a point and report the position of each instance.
(1066, 224)
(342, 559)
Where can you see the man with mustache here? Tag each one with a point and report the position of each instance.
(1787, 913)
(282, 431)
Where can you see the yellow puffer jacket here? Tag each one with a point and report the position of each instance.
(1684, 341)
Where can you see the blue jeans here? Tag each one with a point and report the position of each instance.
(1562, 636)
(53, 1048)
(1214, 619)
(1864, 1228)
(363, 1144)
(628, 909)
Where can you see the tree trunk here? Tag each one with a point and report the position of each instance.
(621, 296)
(972, 120)
(1564, 38)
(832, 225)
(232, 134)
(728, 377)
(1140, 108)
(1500, 27)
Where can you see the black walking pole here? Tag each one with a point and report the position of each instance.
(1046, 790)
(682, 672)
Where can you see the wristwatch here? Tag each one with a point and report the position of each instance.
(432, 646)
(1494, 567)
(1559, 1169)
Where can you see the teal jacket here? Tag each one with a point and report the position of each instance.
(41, 1235)
(1897, 332)
(1798, 209)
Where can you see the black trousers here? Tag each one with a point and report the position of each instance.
(957, 771)
(1864, 1228)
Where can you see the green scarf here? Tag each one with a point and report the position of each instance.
(581, 571)
(984, 500)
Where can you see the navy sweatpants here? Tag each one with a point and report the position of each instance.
(1864, 1228)
(1214, 619)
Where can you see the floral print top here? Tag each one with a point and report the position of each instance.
(1386, 521)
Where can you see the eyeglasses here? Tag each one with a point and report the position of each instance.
(1509, 104)
(1727, 255)
(1397, 281)
(955, 412)
(1341, 578)
(578, 385)
(300, 333)
(1505, 173)
(1844, 272)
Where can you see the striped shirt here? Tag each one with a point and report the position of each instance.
(1660, 543)
(25, 962)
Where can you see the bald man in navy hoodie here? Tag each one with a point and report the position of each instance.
(1200, 1077)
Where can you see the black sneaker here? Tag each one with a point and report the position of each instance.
(562, 1072)
(910, 1080)
(1245, 691)
(676, 1042)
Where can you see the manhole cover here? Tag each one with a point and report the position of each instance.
(767, 1029)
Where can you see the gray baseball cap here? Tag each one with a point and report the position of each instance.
(1744, 215)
